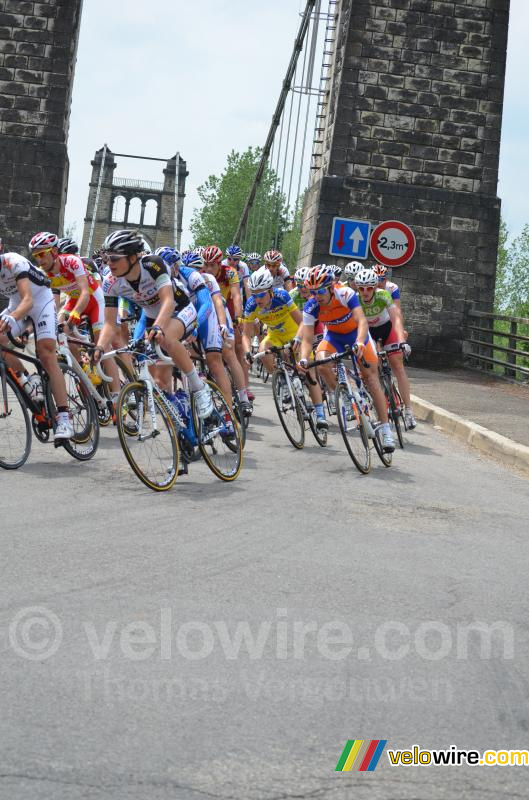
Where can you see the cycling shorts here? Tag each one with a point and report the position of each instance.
(94, 311)
(43, 315)
(337, 342)
(277, 338)
(386, 334)
(209, 333)
(187, 316)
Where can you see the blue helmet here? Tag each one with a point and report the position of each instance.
(171, 256)
(234, 251)
(193, 260)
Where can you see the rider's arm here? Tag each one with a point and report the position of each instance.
(110, 325)
(396, 320)
(361, 321)
(26, 299)
(84, 295)
(219, 308)
(204, 304)
(247, 332)
(167, 303)
(295, 313)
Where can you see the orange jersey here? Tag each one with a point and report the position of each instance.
(338, 315)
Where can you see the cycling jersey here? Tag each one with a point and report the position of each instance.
(277, 317)
(13, 268)
(282, 275)
(207, 321)
(338, 315)
(70, 268)
(154, 275)
(227, 278)
(242, 268)
(393, 289)
(377, 311)
(297, 298)
(214, 289)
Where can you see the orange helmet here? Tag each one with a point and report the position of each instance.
(320, 276)
(212, 254)
(380, 270)
(273, 257)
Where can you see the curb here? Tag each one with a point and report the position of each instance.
(477, 436)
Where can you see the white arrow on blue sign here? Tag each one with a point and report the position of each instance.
(350, 238)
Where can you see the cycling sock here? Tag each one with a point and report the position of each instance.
(62, 410)
(318, 408)
(243, 395)
(385, 428)
(194, 381)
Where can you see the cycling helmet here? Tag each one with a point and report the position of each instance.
(212, 254)
(171, 256)
(380, 270)
(352, 269)
(273, 257)
(301, 274)
(319, 276)
(253, 258)
(69, 246)
(366, 277)
(337, 271)
(43, 240)
(193, 260)
(199, 250)
(126, 243)
(234, 251)
(260, 280)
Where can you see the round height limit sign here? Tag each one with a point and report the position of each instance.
(392, 243)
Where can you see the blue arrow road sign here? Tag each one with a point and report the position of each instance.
(350, 238)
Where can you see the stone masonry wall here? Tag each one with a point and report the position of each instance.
(38, 42)
(413, 133)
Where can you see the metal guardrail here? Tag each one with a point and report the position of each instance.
(485, 337)
(134, 183)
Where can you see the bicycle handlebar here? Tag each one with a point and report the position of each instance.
(349, 351)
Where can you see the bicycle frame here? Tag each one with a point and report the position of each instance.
(40, 410)
(63, 350)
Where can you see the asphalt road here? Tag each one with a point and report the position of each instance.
(225, 640)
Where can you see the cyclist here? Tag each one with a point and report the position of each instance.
(338, 307)
(230, 286)
(30, 298)
(385, 325)
(273, 260)
(234, 260)
(350, 270)
(171, 317)
(68, 274)
(68, 246)
(254, 261)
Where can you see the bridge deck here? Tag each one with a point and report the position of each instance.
(496, 404)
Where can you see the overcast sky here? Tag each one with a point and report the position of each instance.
(202, 78)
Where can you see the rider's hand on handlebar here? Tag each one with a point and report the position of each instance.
(303, 365)
(97, 352)
(406, 349)
(156, 333)
(249, 358)
(359, 350)
(6, 322)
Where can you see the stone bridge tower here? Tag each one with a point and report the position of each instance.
(38, 42)
(411, 131)
(133, 203)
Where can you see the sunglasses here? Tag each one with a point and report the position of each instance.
(320, 292)
(236, 258)
(260, 295)
(300, 284)
(41, 253)
(111, 259)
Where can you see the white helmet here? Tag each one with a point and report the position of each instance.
(352, 269)
(301, 274)
(260, 280)
(366, 277)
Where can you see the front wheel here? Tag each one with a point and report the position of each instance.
(219, 437)
(15, 427)
(352, 428)
(83, 412)
(147, 437)
(288, 409)
(319, 435)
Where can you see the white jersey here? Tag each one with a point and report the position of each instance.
(13, 267)
(282, 275)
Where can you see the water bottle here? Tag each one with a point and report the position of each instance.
(296, 383)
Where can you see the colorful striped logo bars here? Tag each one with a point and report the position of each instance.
(361, 755)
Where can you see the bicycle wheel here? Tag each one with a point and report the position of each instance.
(288, 409)
(219, 437)
(397, 411)
(83, 411)
(152, 451)
(352, 429)
(386, 458)
(15, 427)
(319, 435)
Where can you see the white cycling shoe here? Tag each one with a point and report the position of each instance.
(63, 430)
(387, 441)
(204, 402)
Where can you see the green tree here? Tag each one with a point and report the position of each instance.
(292, 237)
(512, 275)
(223, 198)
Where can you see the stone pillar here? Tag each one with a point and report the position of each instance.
(166, 212)
(38, 43)
(413, 133)
(104, 206)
